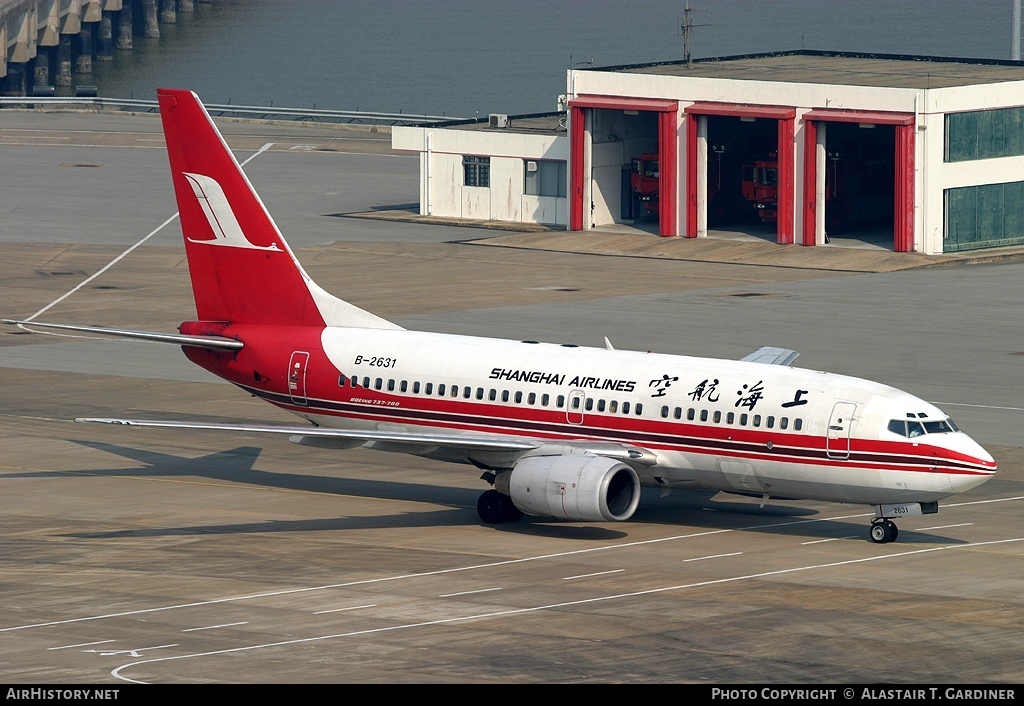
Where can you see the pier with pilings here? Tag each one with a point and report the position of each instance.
(49, 43)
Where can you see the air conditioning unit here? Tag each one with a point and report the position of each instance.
(498, 120)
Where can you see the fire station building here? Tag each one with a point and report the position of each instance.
(926, 153)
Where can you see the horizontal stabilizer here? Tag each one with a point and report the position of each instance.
(770, 355)
(177, 339)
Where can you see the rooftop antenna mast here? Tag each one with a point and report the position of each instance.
(686, 27)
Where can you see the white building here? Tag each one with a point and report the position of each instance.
(928, 149)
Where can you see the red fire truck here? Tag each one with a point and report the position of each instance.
(859, 187)
(644, 180)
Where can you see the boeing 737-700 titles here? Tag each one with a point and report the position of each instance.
(557, 431)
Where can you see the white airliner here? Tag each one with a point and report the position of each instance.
(559, 431)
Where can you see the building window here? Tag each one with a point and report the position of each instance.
(984, 216)
(545, 177)
(984, 134)
(477, 170)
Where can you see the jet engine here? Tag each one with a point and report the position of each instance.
(572, 487)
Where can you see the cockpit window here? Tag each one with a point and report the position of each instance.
(911, 428)
(939, 427)
(898, 426)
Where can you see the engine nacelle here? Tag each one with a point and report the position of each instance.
(572, 487)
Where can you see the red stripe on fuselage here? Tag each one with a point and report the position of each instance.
(733, 442)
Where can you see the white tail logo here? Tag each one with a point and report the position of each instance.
(225, 226)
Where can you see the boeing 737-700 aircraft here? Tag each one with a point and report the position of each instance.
(558, 431)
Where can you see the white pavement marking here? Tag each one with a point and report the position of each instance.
(116, 673)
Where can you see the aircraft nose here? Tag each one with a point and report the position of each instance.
(984, 466)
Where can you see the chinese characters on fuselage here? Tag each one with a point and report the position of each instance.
(707, 390)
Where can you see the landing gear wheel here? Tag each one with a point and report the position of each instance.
(883, 531)
(495, 508)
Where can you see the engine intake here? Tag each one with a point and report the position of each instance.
(572, 487)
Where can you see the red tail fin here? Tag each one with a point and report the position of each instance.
(241, 267)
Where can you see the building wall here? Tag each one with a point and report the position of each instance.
(933, 175)
(614, 138)
(442, 188)
(937, 176)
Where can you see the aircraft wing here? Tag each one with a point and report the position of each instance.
(771, 356)
(322, 436)
(492, 442)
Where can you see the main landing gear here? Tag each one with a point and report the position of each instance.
(495, 508)
(883, 530)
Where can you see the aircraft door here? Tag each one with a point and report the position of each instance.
(297, 377)
(574, 407)
(840, 426)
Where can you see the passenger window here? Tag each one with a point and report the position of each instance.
(664, 412)
(455, 391)
(519, 397)
(560, 401)
(600, 405)
(504, 395)
(479, 393)
(341, 380)
(730, 417)
(589, 406)
(798, 424)
(770, 422)
(703, 415)
(690, 414)
(531, 398)
(575, 403)
(639, 409)
(378, 383)
(467, 392)
(391, 385)
(440, 390)
(677, 413)
(613, 406)
(366, 383)
(428, 388)
(784, 423)
(743, 420)
(625, 407)
(492, 395)
(403, 386)
(757, 420)
(544, 399)
(416, 388)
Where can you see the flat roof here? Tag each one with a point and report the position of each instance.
(840, 68)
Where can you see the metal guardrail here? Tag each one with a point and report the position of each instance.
(238, 111)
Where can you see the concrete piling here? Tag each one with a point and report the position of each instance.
(150, 24)
(124, 27)
(49, 41)
(83, 58)
(63, 75)
(168, 12)
(105, 38)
